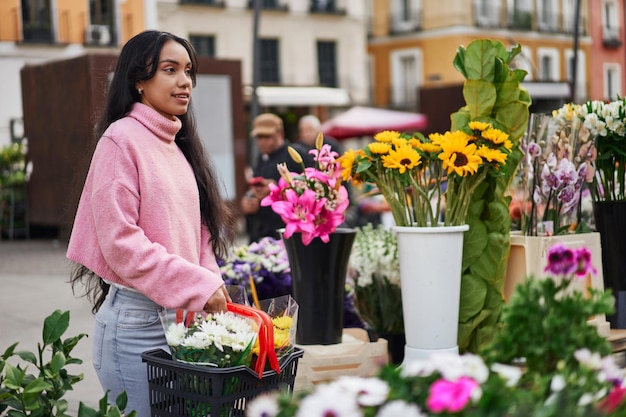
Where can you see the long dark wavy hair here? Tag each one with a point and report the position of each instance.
(137, 62)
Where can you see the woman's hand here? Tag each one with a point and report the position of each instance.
(217, 302)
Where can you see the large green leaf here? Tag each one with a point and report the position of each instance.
(480, 57)
(474, 242)
(467, 330)
(480, 96)
(55, 325)
(498, 214)
(485, 265)
(512, 115)
(473, 293)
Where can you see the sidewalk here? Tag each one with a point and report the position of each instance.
(33, 278)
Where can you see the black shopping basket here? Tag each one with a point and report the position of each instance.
(180, 389)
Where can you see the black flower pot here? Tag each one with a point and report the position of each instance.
(610, 218)
(395, 346)
(318, 274)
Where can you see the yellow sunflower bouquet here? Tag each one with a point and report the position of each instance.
(429, 180)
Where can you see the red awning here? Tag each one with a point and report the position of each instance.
(367, 121)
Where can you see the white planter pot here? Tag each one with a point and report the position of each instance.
(430, 274)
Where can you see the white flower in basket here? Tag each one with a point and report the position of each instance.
(221, 340)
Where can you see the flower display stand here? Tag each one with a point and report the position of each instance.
(528, 257)
(354, 356)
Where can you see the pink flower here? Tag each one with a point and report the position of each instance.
(583, 261)
(565, 261)
(450, 396)
(298, 211)
(312, 202)
(561, 260)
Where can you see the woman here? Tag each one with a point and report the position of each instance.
(150, 221)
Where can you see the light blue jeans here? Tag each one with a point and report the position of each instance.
(126, 325)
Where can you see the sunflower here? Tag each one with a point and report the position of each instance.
(402, 158)
(387, 136)
(380, 148)
(495, 136)
(458, 155)
(491, 155)
(479, 126)
(427, 147)
(347, 162)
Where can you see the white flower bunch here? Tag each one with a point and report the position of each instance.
(220, 339)
(375, 253)
(604, 118)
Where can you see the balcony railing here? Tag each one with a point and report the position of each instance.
(611, 37)
(37, 32)
(270, 5)
(326, 6)
(215, 3)
(520, 20)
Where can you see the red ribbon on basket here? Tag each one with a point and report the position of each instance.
(266, 337)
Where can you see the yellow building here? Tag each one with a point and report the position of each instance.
(62, 22)
(37, 31)
(413, 43)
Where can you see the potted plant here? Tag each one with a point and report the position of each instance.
(607, 123)
(374, 273)
(461, 174)
(41, 393)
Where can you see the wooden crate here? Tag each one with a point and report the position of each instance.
(354, 356)
(528, 256)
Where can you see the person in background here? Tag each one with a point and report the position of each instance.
(150, 221)
(270, 138)
(309, 127)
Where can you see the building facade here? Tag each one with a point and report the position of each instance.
(413, 43)
(317, 44)
(607, 78)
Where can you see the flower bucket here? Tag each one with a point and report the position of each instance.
(318, 273)
(430, 275)
(610, 217)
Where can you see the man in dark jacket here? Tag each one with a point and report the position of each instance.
(269, 134)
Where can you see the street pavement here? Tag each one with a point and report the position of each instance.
(33, 284)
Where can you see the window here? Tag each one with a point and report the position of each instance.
(102, 22)
(612, 81)
(327, 63)
(323, 6)
(519, 14)
(488, 13)
(610, 22)
(101, 12)
(405, 15)
(203, 44)
(37, 21)
(569, 11)
(269, 65)
(549, 68)
(268, 4)
(524, 62)
(407, 74)
(547, 15)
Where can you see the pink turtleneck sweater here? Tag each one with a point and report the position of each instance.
(138, 221)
